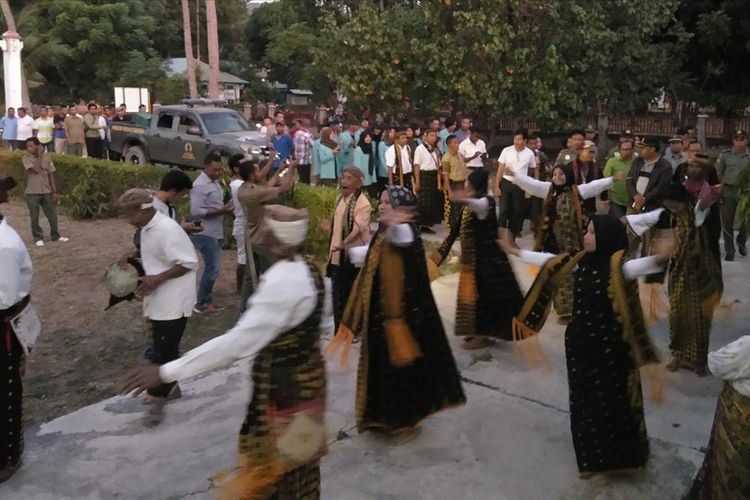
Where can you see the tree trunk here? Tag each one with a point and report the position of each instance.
(192, 84)
(10, 21)
(212, 35)
(198, 29)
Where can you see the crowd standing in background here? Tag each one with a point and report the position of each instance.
(600, 222)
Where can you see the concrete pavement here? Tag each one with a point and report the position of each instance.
(512, 439)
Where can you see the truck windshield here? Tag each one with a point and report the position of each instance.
(220, 123)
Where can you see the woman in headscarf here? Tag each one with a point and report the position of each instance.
(605, 343)
(366, 160)
(695, 281)
(406, 368)
(488, 293)
(726, 467)
(563, 221)
(326, 157)
(387, 139)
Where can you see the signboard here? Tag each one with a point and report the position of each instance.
(133, 97)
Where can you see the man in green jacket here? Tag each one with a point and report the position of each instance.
(91, 132)
(730, 165)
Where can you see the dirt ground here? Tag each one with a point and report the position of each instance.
(84, 351)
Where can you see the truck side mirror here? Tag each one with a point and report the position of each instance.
(194, 130)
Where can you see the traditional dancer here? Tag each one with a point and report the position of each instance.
(488, 293)
(726, 468)
(563, 221)
(15, 271)
(349, 226)
(695, 281)
(406, 369)
(168, 288)
(605, 343)
(283, 435)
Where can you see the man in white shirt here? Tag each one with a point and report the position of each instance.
(280, 329)
(43, 128)
(25, 128)
(473, 149)
(519, 159)
(168, 288)
(15, 285)
(398, 161)
(428, 182)
(238, 227)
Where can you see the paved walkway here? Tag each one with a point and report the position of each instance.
(512, 439)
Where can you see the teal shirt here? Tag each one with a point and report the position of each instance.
(382, 166)
(314, 160)
(346, 154)
(442, 140)
(326, 162)
(618, 193)
(362, 162)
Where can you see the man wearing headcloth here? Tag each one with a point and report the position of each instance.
(406, 368)
(605, 343)
(429, 182)
(15, 286)
(350, 227)
(398, 161)
(283, 435)
(168, 288)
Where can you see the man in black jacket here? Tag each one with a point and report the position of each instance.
(649, 175)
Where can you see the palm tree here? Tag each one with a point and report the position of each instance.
(212, 33)
(192, 84)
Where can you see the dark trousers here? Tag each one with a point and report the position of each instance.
(512, 207)
(165, 347)
(616, 210)
(94, 147)
(730, 199)
(43, 201)
(407, 181)
(11, 392)
(304, 173)
(261, 266)
(342, 280)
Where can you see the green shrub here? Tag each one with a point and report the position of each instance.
(319, 202)
(88, 188)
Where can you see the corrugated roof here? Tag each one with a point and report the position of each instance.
(178, 66)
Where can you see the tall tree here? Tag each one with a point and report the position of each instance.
(212, 34)
(192, 83)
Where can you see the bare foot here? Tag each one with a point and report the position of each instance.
(563, 320)
(673, 365)
(477, 343)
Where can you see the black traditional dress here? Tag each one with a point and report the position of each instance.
(562, 224)
(289, 389)
(695, 287)
(605, 343)
(488, 292)
(12, 362)
(406, 368)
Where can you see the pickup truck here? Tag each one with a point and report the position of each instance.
(183, 135)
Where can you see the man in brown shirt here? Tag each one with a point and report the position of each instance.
(41, 190)
(253, 195)
(74, 133)
(454, 172)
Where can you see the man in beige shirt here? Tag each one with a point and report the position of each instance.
(253, 195)
(74, 133)
(41, 190)
(350, 227)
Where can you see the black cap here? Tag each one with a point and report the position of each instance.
(739, 133)
(646, 142)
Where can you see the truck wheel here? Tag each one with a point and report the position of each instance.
(135, 155)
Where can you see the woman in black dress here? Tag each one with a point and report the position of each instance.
(605, 343)
(488, 294)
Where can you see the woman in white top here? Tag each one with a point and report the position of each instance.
(726, 468)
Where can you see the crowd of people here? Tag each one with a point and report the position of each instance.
(76, 129)
(646, 213)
